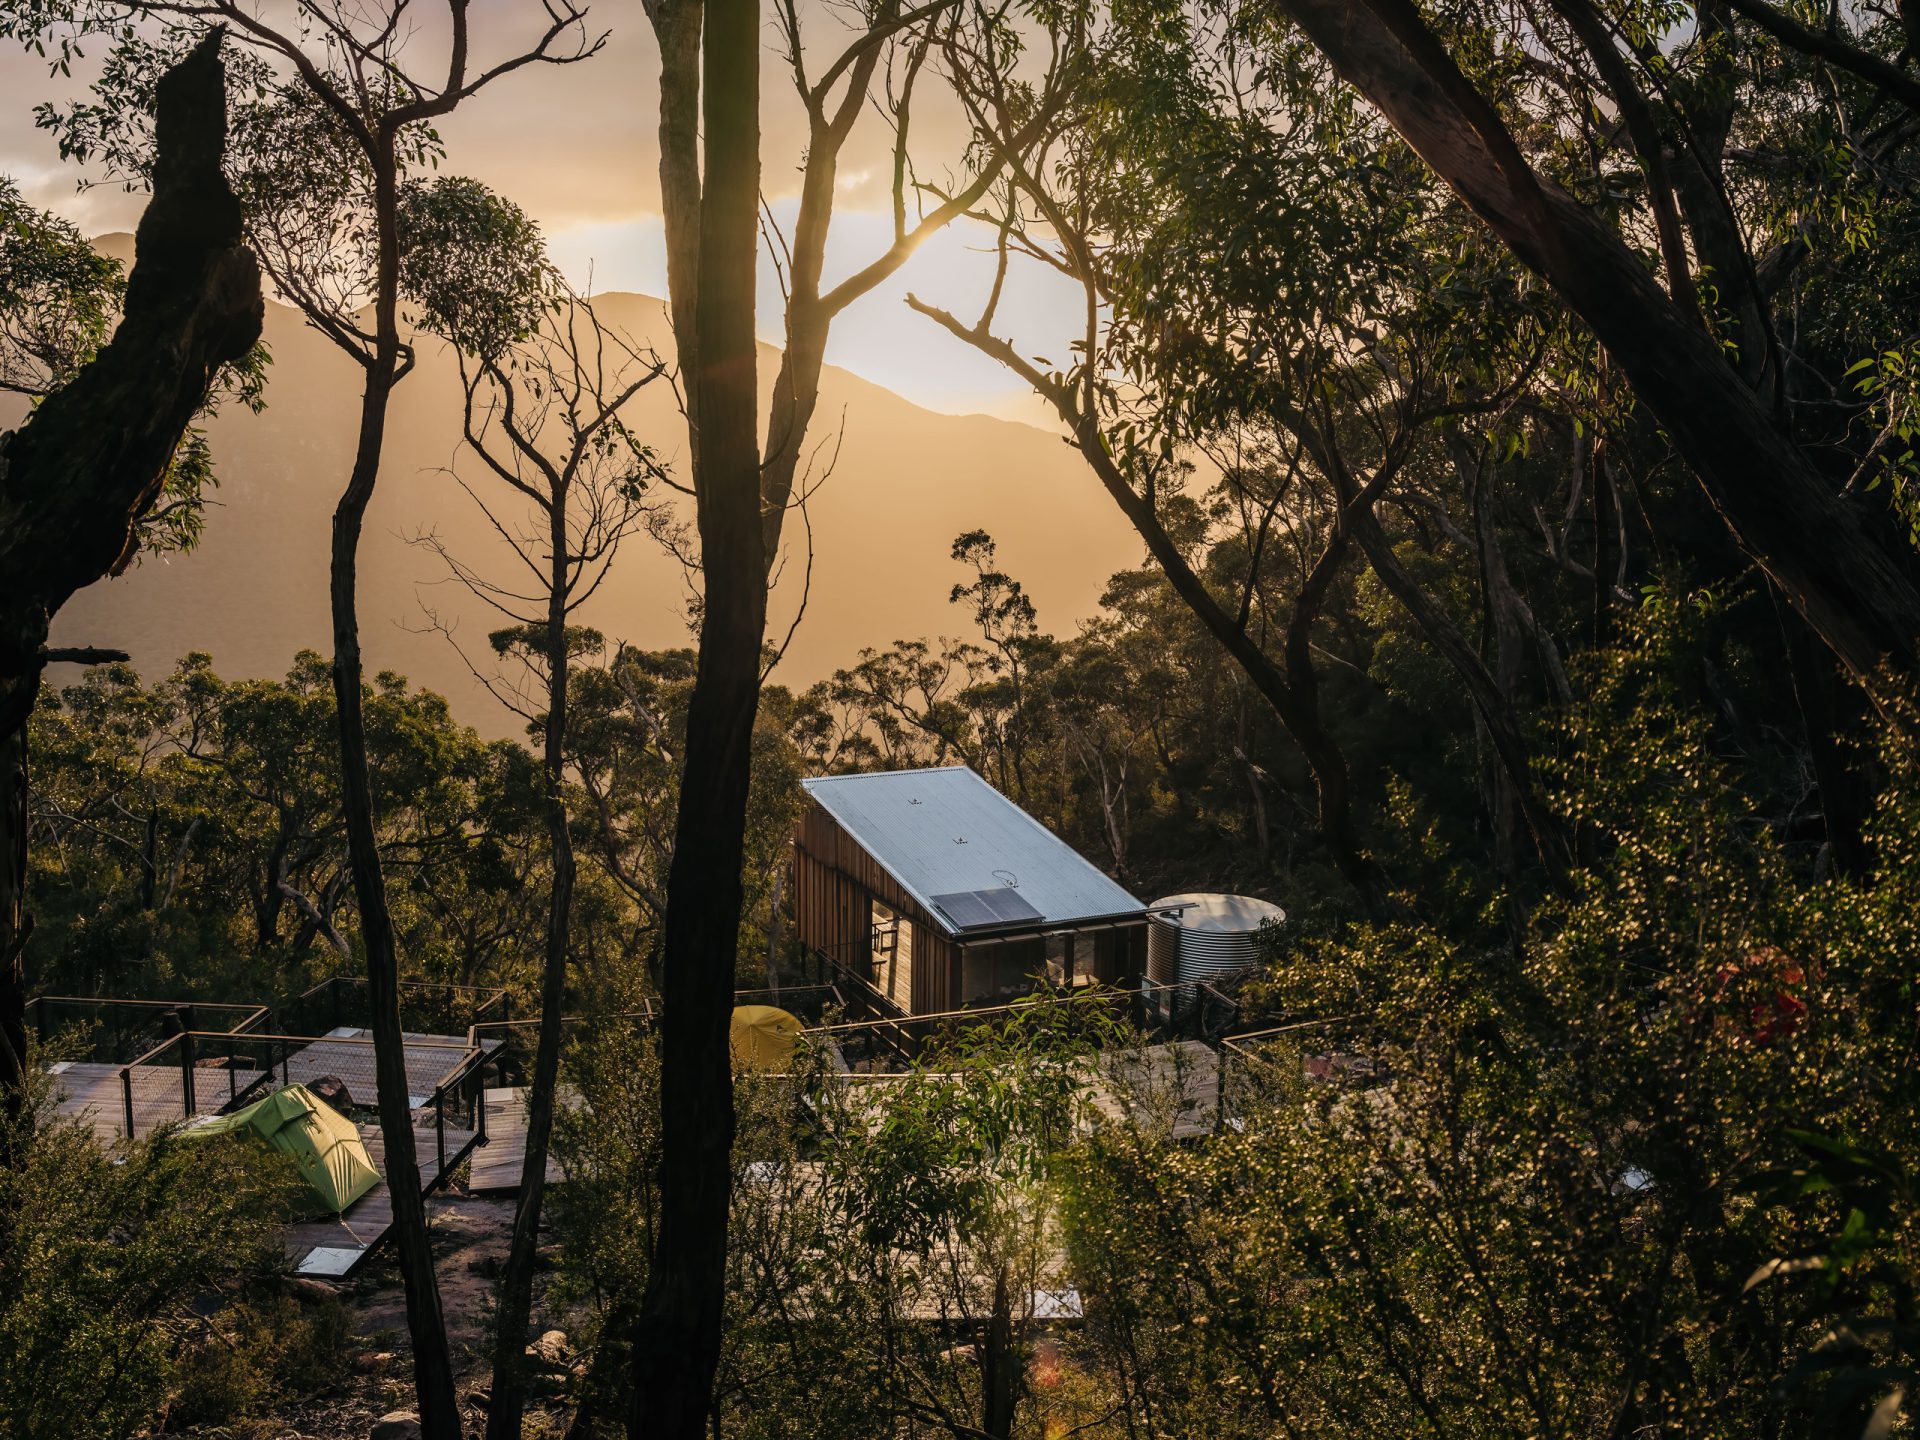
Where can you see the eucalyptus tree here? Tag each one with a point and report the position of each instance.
(1716, 384)
(1253, 255)
(92, 460)
(542, 417)
(355, 81)
(709, 88)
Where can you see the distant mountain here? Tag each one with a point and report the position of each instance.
(907, 481)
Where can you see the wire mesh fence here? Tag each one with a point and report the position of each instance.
(107, 1031)
(344, 1002)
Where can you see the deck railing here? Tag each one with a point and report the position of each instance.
(510, 1044)
(112, 1032)
(889, 1042)
(197, 1073)
(426, 1007)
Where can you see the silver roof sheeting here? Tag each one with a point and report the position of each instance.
(946, 830)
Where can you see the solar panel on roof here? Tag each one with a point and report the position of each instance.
(978, 909)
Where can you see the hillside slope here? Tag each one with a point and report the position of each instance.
(907, 481)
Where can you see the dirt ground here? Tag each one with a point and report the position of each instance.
(470, 1237)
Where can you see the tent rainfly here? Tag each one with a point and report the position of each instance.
(325, 1145)
(763, 1037)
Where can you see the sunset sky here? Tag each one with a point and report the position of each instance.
(576, 147)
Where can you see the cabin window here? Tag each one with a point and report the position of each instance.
(1060, 961)
(998, 974)
(893, 955)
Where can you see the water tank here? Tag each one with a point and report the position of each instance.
(1201, 937)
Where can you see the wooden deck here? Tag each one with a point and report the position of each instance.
(94, 1093)
(497, 1164)
(335, 1245)
(1172, 1088)
(347, 1055)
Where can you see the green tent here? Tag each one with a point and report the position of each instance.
(324, 1144)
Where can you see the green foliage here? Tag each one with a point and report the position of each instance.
(109, 1262)
(58, 296)
(475, 264)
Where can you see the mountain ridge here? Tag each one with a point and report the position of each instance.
(908, 480)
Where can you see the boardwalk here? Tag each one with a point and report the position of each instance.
(336, 1244)
(95, 1093)
(497, 1164)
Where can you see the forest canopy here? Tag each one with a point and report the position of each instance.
(1515, 407)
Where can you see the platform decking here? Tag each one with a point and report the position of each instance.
(350, 1236)
(497, 1165)
(94, 1092)
(346, 1055)
(1175, 1085)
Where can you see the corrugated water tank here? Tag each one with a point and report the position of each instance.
(1198, 937)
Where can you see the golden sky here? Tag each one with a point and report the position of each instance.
(575, 146)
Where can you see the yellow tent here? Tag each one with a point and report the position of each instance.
(763, 1037)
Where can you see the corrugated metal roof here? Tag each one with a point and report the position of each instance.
(946, 830)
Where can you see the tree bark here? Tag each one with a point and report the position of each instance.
(676, 28)
(1808, 541)
(676, 1342)
(76, 478)
(426, 1325)
(507, 1405)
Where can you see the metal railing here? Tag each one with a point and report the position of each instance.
(112, 1032)
(510, 1044)
(426, 1007)
(1285, 1054)
(197, 1073)
(888, 1043)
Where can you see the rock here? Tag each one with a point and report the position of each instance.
(550, 1354)
(396, 1425)
(311, 1292)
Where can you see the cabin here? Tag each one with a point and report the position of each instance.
(928, 891)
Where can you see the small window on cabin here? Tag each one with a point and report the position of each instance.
(1060, 961)
(1001, 972)
(893, 955)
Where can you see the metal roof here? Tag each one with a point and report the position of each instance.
(946, 830)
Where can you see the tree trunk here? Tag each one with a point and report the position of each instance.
(77, 477)
(507, 1405)
(676, 1345)
(676, 28)
(14, 926)
(1488, 701)
(426, 1326)
(1808, 541)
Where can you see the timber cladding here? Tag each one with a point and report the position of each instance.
(835, 883)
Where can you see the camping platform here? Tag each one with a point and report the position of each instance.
(96, 1093)
(1173, 1086)
(334, 1246)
